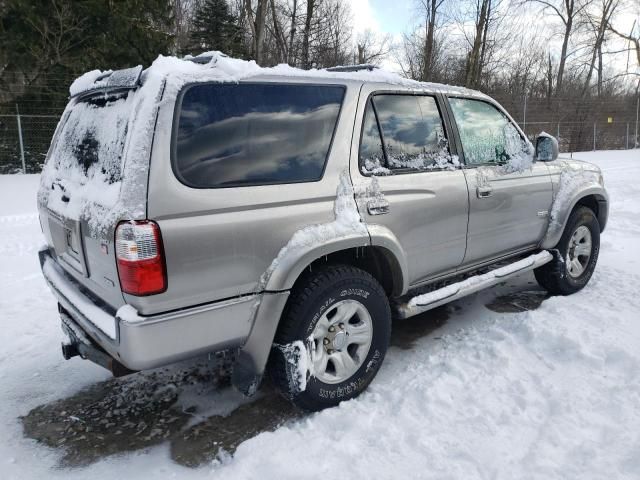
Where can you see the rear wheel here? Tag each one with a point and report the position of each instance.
(576, 257)
(332, 338)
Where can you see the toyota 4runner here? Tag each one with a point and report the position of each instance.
(206, 205)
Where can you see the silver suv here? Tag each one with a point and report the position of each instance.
(208, 205)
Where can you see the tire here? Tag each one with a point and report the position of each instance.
(308, 363)
(561, 276)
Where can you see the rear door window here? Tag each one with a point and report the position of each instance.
(403, 132)
(254, 134)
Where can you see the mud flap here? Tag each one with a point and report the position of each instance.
(248, 369)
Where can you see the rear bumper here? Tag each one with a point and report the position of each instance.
(144, 342)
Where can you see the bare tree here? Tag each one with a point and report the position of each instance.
(567, 11)
(598, 22)
(372, 48)
(292, 31)
(431, 8)
(633, 38)
(475, 55)
(308, 22)
(278, 33)
(256, 22)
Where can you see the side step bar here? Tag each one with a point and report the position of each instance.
(452, 292)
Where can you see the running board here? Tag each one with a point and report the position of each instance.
(452, 292)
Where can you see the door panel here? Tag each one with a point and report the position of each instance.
(509, 196)
(427, 212)
(507, 212)
(403, 157)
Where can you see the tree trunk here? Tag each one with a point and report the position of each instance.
(608, 7)
(307, 32)
(292, 33)
(277, 31)
(473, 60)
(256, 23)
(563, 53)
(600, 70)
(549, 78)
(427, 74)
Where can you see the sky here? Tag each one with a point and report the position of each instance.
(395, 17)
(384, 16)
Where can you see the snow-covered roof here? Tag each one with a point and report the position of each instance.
(215, 66)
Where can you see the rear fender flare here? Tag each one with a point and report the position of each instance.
(286, 271)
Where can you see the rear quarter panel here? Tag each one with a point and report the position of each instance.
(219, 242)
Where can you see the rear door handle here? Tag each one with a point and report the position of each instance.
(484, 192)
(377, 207)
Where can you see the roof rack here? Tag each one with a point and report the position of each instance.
(352, 68)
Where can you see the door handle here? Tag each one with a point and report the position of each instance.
(484, 192)
(377, 207)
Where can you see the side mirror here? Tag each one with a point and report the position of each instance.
(546, 148)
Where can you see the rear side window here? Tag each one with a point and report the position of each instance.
(403, 132)
(254, 134)
(487, 135)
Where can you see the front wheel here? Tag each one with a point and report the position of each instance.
(332, 338)
(577, 254)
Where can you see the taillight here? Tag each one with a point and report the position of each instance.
(140, 258)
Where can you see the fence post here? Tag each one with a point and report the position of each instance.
(594, 136)
(627, 143)
(524, 117)
(558, 132)
(24, 165)
(635, 139)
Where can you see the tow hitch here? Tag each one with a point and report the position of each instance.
(81, 346)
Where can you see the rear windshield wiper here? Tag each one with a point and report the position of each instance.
(64, 197)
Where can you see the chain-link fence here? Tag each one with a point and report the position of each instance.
(24, 141)
(578, 126)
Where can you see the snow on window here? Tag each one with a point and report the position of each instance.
(412, 131)
(488, 136)
(85, 163)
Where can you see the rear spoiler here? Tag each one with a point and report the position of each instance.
(125, 79)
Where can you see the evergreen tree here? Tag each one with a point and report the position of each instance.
(215, 28)
(44, 44)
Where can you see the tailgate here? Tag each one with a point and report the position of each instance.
(80, 192)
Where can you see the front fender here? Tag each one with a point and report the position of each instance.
(562, 208)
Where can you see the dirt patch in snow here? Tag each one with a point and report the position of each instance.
(192, 408)
(205, 441)
(516, 302)
(405, 333)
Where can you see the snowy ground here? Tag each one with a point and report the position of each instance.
(505, 384)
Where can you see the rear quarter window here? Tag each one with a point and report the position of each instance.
(230, 135)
